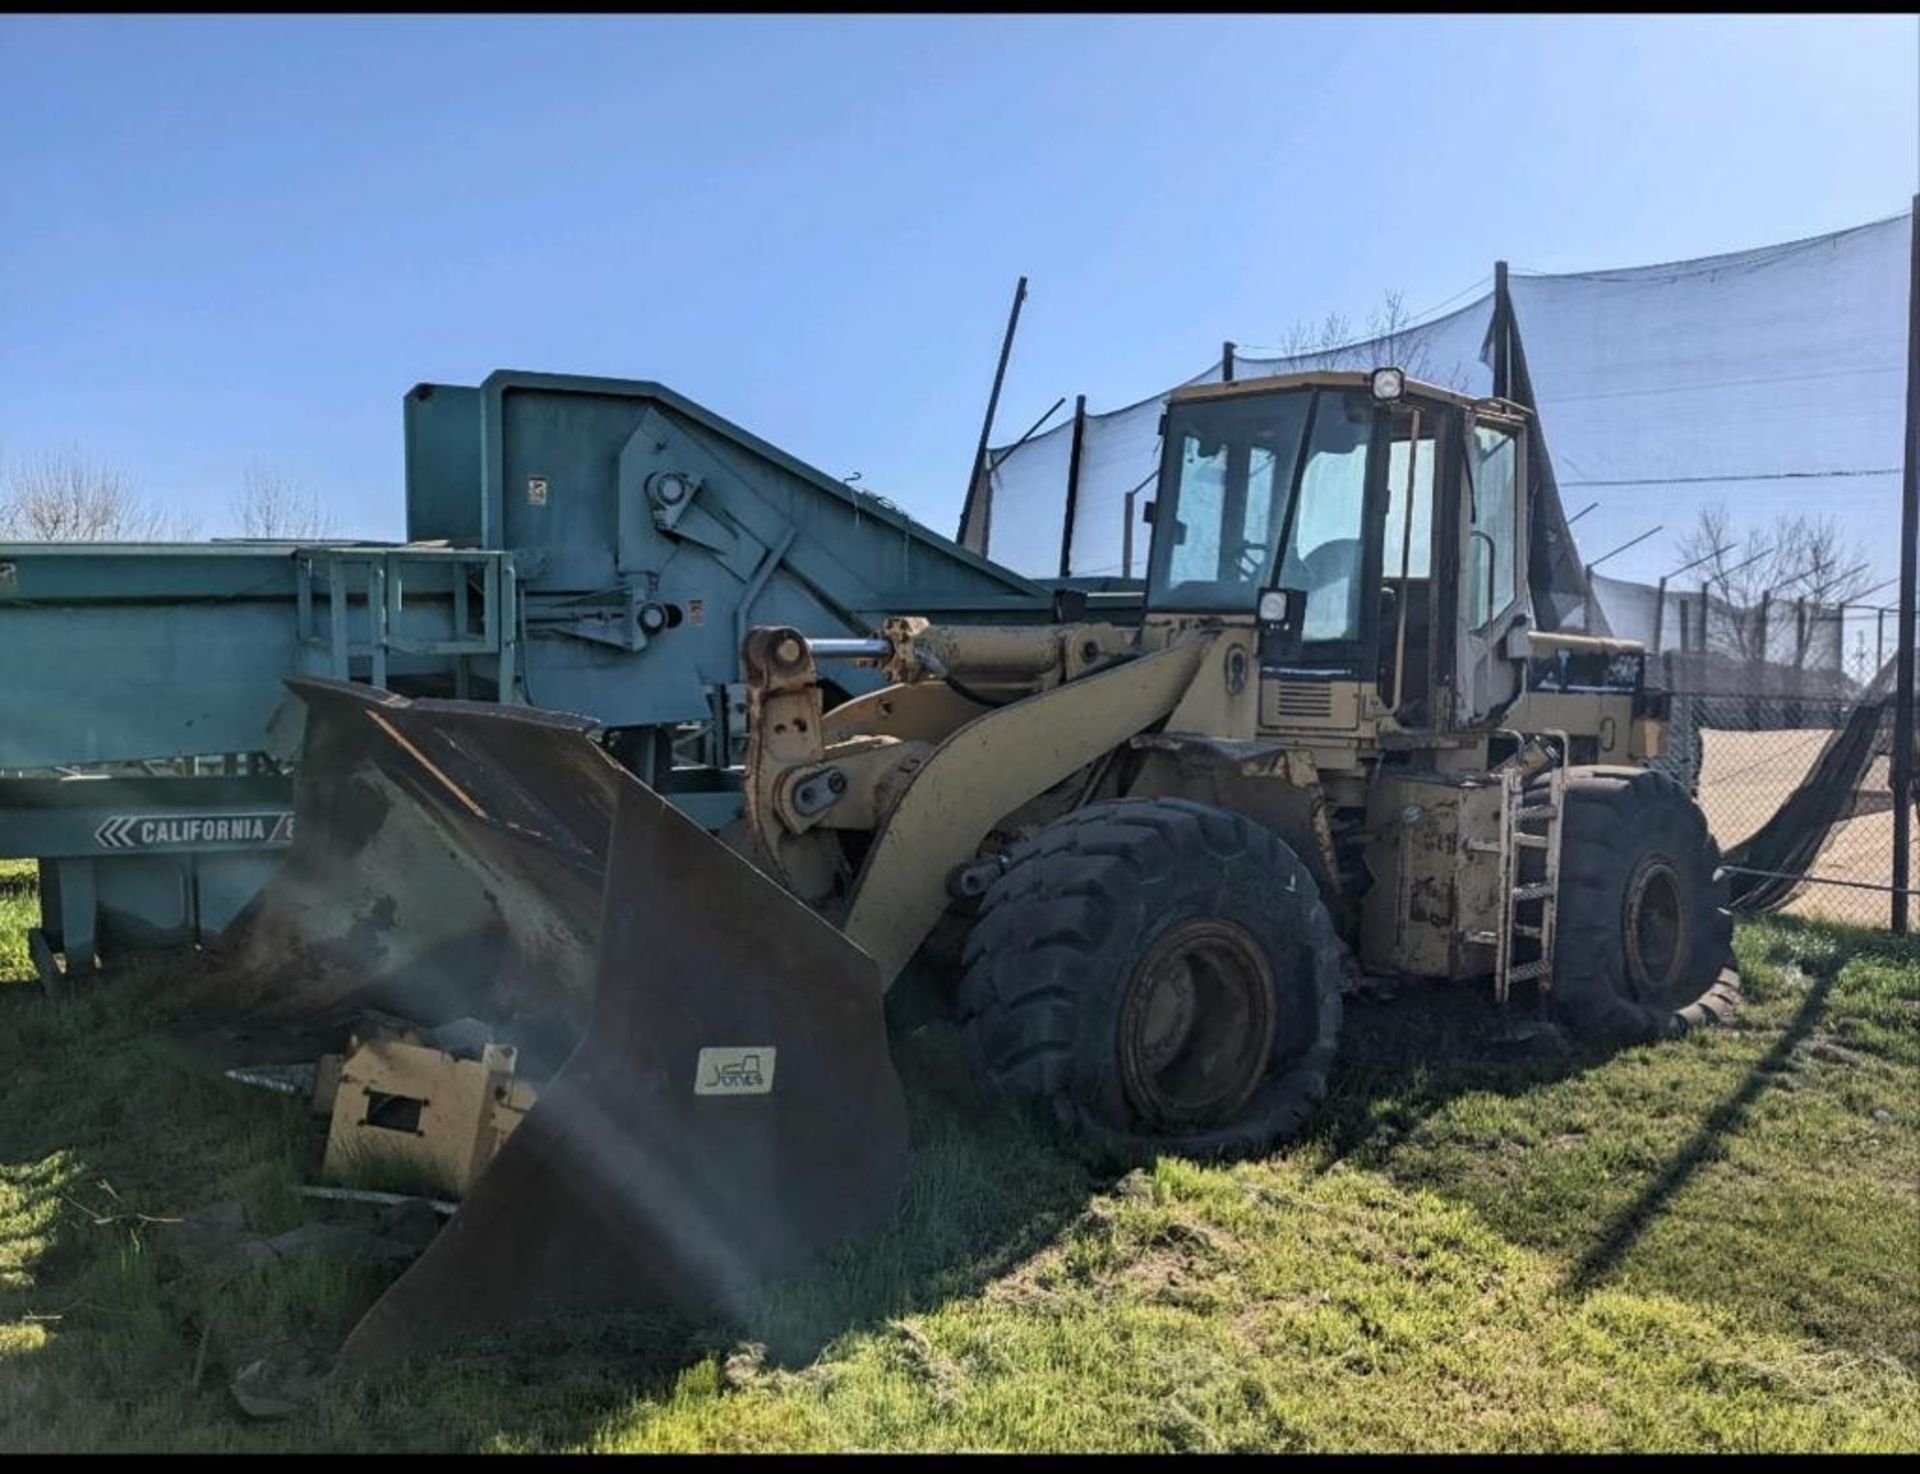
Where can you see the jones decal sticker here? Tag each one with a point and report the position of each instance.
(738, 1069)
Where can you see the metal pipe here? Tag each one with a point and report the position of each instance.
(1226, 362)
(1631, 542)
(1689, 567)
(1903, 641)
(1032, 430)
(1502, 333)
(1131, 508)
(986, 425)
(847, 648)
(1859, 885)
(1073, 484)
(1738, 566)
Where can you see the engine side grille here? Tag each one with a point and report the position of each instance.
(1305, 700)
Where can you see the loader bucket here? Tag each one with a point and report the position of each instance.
(724, 1103)
(730, 1110)
(448, 860)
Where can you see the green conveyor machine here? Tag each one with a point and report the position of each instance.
(581, 545)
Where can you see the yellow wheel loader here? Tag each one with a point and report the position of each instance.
(1333, 748)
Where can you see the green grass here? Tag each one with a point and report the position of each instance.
(19, 909)
(1704, 1244)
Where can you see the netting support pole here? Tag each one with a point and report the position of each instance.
(1073, 484)
(1226, 362)
(976, 482)
(1660, 614)
(1903, 645)
(1502, 334)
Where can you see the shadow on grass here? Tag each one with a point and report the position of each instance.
(1405, 1059)
(1582, 1168)
(985, 1192)
(1818, 949)
(1705, 1145)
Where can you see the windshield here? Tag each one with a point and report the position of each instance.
(1226, 503)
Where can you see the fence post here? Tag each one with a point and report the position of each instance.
(977, 483)
(1902, 774)
(1757, 653)
(1502, 334)
(1073, 484)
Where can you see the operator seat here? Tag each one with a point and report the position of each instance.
(1325, 568)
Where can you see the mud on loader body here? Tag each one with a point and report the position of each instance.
(1333, 745)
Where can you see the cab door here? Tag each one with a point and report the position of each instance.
(1490, 575)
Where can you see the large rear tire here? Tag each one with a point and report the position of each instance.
(1643, 932)
(1160, 976)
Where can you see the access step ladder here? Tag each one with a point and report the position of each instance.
(1529, 907)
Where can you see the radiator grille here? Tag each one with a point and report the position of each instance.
(1307, 700)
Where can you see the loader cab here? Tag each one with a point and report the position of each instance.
(1373, 529)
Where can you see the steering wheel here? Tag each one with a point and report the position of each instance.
(1251, 559)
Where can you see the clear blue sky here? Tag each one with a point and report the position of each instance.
(234, 240)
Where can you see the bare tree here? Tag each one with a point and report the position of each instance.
(1390, 341)
(1801, 562)
(1330, 339)
(67, 496)
(269, 504)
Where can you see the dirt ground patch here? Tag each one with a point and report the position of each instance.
(1746, 776)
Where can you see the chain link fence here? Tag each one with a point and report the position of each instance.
(1797, 791)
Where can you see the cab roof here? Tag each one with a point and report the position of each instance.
(1340, 379)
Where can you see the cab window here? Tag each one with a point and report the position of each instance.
(1491, 552)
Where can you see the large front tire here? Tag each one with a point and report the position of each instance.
(1644, 932)
(1160, 976)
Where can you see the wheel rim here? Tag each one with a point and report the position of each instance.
(1656, 943)
(1196, 1025)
